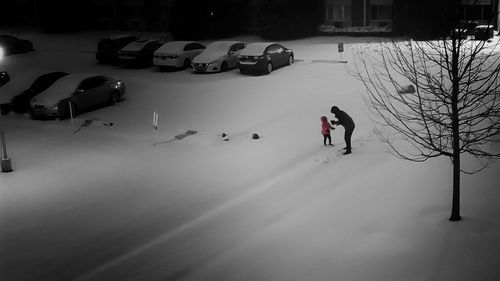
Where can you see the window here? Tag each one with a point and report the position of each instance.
(236, 47)
(329, 12)
(381, 12)
(341, 12)
(193, 46)
(91, 82)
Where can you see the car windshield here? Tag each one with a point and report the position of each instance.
(136, 45)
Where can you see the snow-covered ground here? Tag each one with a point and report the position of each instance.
(121, 203)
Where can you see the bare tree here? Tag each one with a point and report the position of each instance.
(442, 97)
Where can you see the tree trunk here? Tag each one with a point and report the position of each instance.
(455, 124)
(455, 206)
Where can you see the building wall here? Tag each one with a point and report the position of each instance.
(379, 13)
(346, 13)
(480, 11)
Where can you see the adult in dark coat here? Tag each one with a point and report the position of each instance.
(346, 121)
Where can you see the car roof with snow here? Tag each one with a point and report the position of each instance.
(215, 50)
(173, 46)
(221, 45)
(62, 88)
(255, 49)
(137, 45)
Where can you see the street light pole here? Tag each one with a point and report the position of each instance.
(5, 160)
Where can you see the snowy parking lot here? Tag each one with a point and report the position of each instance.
(128, 202)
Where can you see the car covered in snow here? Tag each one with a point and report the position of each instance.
(219, 56)
(483, 32)
(21, 102)
(4, 78)
(107, 48)
(17, 82)
(76, 93)
(139, 52)
(264, 57)
(4, 104)
(12, 45)
(178, 54)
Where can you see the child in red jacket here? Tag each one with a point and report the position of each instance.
(325, 130)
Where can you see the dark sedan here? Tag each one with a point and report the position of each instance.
(264, 57)
(4, 78)
(76, 93)
(21, 102)
(140, 52)
(107, 48)
(4, 105)
(12, 45)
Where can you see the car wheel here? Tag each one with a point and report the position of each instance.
(5, 109)
(269, 68)
(290, 59)
(223, 67)
(114, 98)
(187, 63)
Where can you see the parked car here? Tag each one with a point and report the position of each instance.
(139, 52)
(15, 83)
(4, 78)
(264, 57)
(483, 32)
(219, 56)
(12, 45)
(178, 54)
(107, 48)
(21, 102)
(4, 104)
(76, 93)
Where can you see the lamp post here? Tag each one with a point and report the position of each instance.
(5, 162)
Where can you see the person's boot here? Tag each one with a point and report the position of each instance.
(348, 151)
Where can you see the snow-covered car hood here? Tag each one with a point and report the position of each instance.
(136, 45)
(208, 57)
(214, 51)
(172, 47)
(61, 89)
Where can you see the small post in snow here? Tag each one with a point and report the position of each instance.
(71, 112)
(341, 50)
(155, 121)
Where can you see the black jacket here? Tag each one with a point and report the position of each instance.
(343, 119)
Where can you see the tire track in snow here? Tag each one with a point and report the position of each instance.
(257, 189)
(300, 165)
